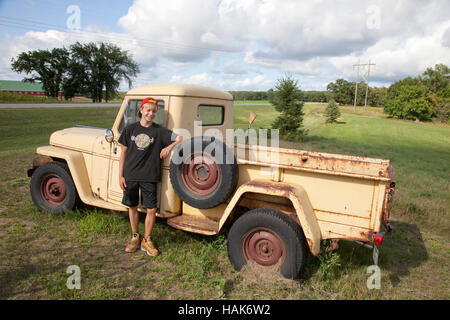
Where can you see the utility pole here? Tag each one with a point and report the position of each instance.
(364, 76)
(356, 83)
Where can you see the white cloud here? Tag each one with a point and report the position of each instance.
(219, 42)
(258, 81)
(397, 58)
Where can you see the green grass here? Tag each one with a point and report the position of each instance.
(11, 97)
(29, 128)
(37, 247)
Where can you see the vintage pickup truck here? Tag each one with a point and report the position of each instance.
(275, 205)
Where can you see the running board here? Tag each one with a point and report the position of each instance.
(194, 224)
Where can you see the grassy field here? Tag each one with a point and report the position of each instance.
(37, 247)
(11, 97)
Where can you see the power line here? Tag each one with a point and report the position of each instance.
(365, 76)
(41, 27)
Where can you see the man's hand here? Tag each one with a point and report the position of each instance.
(165, 152)
(122, 183)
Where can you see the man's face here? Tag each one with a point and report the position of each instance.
(148, 111)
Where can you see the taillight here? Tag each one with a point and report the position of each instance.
(379, 238)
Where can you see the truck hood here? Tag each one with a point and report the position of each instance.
(77, 138)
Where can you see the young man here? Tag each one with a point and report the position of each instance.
(144, 144)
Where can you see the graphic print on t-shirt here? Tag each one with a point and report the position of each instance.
(142, 141)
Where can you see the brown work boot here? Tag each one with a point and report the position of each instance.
(149, 247)
(134, 243)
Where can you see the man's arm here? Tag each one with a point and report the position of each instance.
(165, 152)
(123, 156)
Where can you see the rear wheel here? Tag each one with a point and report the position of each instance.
(267, 237)
(52, 188)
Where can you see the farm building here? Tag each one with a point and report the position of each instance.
(34, 89)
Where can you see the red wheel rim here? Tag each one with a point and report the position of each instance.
(53, 190)
(263, 246)
(201, 175)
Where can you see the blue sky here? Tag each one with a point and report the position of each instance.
(240, 44)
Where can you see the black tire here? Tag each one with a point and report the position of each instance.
(265, 236)
(52, 188)
(209, 183)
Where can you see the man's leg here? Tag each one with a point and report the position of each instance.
(147, 244)
(149, 201)
(134, 219)
(149, 222)
(131, 199)
(135, 241)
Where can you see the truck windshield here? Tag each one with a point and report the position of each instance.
(131, 113)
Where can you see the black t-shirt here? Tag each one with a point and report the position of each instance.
(142, 162)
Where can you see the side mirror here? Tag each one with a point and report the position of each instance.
(109, 135)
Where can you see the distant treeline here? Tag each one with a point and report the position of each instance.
(307, 96)
(342, 91)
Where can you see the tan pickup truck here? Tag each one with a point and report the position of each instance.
(274, 204)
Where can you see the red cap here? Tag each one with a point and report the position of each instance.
(149, 99)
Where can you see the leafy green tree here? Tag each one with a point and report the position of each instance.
(95, 69)
(332, 112)
(288, 101)
(342, 91)
(410, 102)
(377, 96)
(436, 79)
(438, 82)
(48, 67)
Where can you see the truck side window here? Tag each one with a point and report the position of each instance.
(131, 113)
(210, 115)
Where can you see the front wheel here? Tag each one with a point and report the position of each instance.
(267, 237)
(52, 188)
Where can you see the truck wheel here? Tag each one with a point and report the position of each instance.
(267, 236)
(52, 188)
(203, 178)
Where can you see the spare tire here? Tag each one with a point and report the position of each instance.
(203, 172)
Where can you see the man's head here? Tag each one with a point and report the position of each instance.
(148, 109)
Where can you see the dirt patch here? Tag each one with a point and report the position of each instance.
(257, 274)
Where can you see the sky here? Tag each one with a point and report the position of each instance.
(240, 44)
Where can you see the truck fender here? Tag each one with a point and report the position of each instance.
(75, 162)
(296, 194)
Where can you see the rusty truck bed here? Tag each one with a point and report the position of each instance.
(350, 196)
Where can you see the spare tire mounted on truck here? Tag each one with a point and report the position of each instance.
(203, 172)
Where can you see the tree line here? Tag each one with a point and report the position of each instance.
(93, 70)
(343, 92)
(306, 96)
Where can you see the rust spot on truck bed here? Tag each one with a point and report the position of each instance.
(279, 189)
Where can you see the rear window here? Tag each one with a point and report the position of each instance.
(210, 115)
